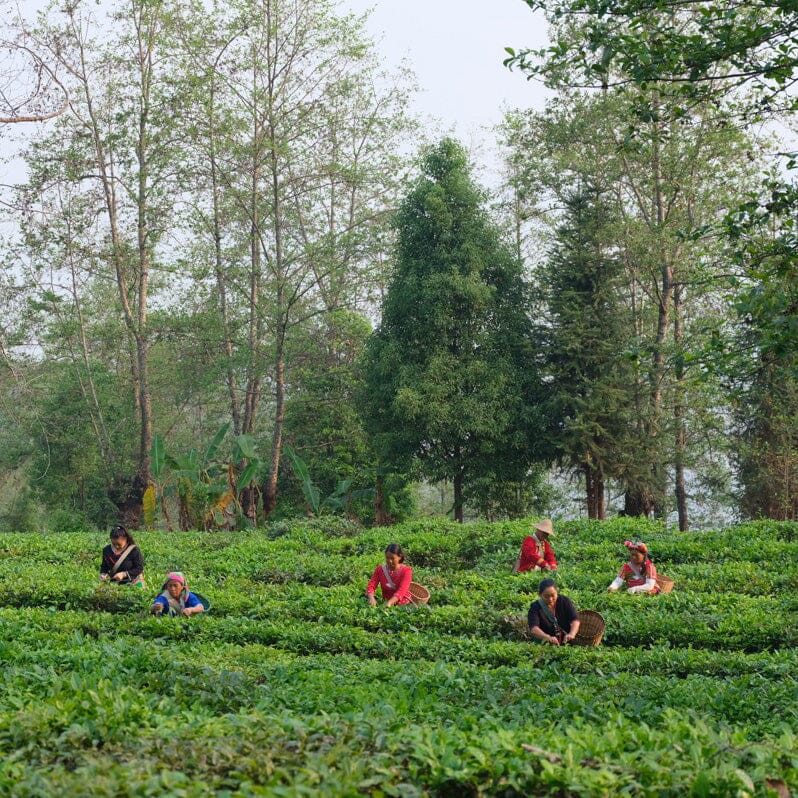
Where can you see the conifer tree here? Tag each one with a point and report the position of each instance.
(450, 373)
(587, 331)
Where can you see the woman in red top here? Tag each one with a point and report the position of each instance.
(536, 551)
(639, 574)
(393, 577)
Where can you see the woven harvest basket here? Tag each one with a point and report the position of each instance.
(591, 629)
(665, 583)
(418, 593)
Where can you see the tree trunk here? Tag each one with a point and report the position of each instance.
(594, 492)
(678, 413)
(221, 286)
(458, 496)
(381, 517)
(270, 491)
(663, 323)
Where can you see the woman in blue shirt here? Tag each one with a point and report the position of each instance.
(176, 598)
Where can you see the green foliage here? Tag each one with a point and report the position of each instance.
(67, 467)
(68, 521)
(757, 354)
(450, 376)
(293, 684)
(590, 400)
(323, 426)
(705, 48)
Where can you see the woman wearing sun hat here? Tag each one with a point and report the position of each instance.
(536, 551)
(639, 574)
(175, 598)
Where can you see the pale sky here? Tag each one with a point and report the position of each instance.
(456, 49)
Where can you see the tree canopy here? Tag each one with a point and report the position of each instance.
(450, 374)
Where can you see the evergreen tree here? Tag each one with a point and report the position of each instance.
(450, 374)
(588, 330)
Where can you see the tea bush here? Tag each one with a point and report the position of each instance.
(292, 685)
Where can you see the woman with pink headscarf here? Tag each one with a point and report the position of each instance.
(639, 574)
(176, 598)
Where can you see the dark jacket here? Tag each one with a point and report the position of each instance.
(564, 611)
(133, 564)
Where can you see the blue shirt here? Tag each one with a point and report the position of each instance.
(191, 601)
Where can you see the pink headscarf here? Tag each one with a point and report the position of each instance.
(176, 576)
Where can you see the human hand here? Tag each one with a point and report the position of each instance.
(372, 601)
(553, 640)
(187, 611)
(103, 577)
(119, 576)
(569, 637)
(156, 609)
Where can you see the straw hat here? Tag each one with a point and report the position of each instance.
(545, 526)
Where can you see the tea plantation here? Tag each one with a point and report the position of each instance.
(291, 685)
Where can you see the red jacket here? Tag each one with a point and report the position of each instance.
(402, 578)
(534, 554)
(633, 580)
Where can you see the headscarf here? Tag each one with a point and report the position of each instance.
(636, 546)
(176, 605)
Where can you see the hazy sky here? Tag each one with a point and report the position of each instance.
(456, 49)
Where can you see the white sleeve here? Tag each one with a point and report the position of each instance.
(616, 584)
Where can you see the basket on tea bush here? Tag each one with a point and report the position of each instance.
(591, 629)
(664, 583)
(418, 593)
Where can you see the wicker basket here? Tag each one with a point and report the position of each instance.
(664, 583)
(591, 629)
(418, 593)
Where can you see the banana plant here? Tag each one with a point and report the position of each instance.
(309, 490)
(154, 494)
(203, 486)
(337, 501)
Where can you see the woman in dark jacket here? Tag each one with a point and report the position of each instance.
(122, 559)
(553, 618)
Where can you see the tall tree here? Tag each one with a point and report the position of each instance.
(450, 374)
(757, 356)
(664, 183)
(698, 52)
(587, 330)
(297, 164)
(119, 137)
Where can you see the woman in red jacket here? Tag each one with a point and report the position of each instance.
(393, 577)
(536, 551)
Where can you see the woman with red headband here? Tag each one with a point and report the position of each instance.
(639, 574)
